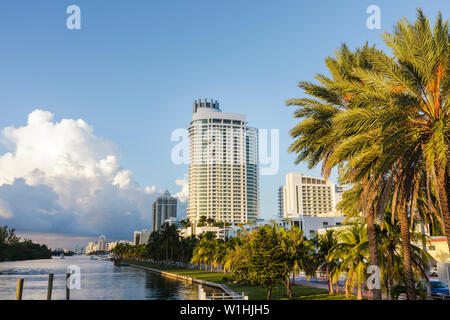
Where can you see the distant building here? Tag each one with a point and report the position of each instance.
(309, 196)
(101, 244)
(141, 237)
(311, 226)
(172, 221)
(280, 202)
(163, 208)
(137, 237)
(92, 247)
(145, 236)
(437, 247)
(220, 233)
(110, 246)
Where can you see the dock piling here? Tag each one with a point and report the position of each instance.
(50, 286)
(19, 289)
(67, 286)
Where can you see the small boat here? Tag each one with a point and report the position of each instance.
(61, 255)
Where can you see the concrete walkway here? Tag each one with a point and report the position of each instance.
(321, 284)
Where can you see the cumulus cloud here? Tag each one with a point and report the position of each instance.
(61, 177)
(183, 195)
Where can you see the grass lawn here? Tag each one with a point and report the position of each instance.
(253, 292)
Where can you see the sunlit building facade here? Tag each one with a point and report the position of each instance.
(223, 168)
(309, 196)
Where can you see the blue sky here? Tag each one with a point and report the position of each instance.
(135, 67)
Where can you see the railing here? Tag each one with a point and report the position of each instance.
(219, 296)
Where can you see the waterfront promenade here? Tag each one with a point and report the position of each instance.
(300, 291)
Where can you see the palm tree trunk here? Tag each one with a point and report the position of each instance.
(391, 285)
(386, 287)
(347, 286)
(443, 185)
(288, 287)
(373, 246)
(359, 293)
(330, 283)
(269, 291)
(406, 244)
(337, 285)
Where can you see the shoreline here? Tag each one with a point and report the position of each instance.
(189, 279)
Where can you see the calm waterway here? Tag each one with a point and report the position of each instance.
(100, 280)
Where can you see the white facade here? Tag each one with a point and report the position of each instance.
(137, 237)
(311, 226)
(223, 169)
(145, 236)
(92, 247)
(309, 196)
(141, 237)
(101, 244)
(189, 231)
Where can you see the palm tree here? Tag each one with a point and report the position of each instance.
(291, 245)
(202, 221)
(386, 123)
(170, 236)
(418, 81)
(319, 136)
(406, 98)
(219, 254)
(326, 244)
(204, 252)
(391, 252)
(352, 252)
(231, 253)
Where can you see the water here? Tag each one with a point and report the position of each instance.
(100, 280)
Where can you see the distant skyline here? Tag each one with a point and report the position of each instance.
(127, 80)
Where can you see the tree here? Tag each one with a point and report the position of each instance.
(169, 235)
(13, 249)
(391, 253)
(406, 98)
(202, 221)
(326, 244)
(352, 251)
(296, 254)
(320, 137)
(420, 75)
(385, 122)
(266, 267)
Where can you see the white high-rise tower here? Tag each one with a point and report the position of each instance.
(223, 169)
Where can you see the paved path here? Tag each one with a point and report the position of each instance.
(321, 284)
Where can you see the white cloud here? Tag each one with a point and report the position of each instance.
(183, 195)
(150, 190)
(81, 169)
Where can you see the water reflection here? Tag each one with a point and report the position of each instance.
(100, 280)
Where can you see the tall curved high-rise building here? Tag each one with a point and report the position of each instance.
(223, 168)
